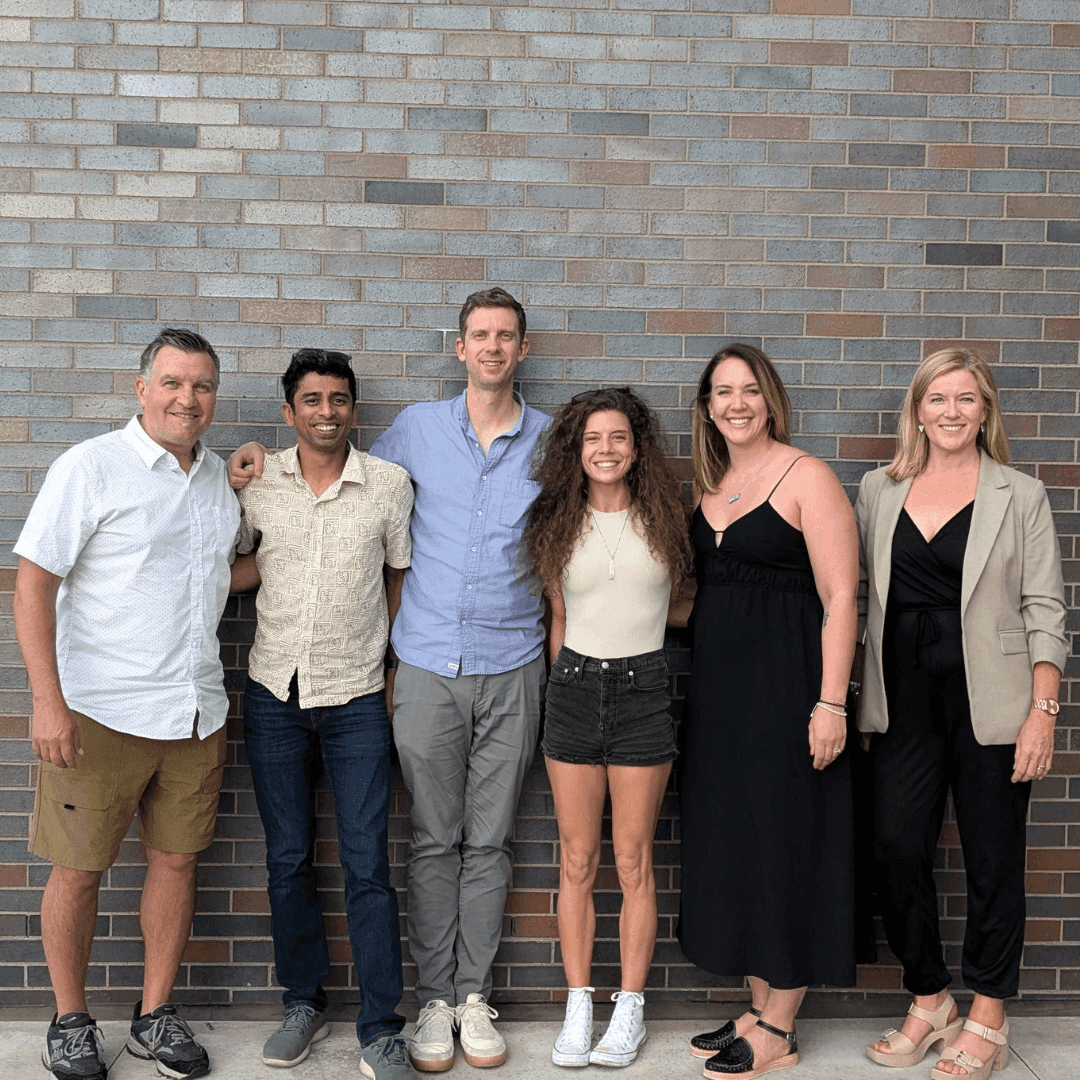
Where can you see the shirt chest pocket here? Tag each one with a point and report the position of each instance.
(517, 497)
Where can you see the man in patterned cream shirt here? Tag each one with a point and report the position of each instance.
(331, 520)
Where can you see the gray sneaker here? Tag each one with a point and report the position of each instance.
(74, 1048)
(387, 1059)
(291, 1043)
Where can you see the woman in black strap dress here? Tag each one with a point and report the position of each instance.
(767, 879)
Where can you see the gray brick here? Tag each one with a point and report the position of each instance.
(644, 345)
(981, 107)
(819, 251)
(1023, 157)
(447, 119)
(238, 37)
(603, 123)
(570, 247)
(1011, 33)
(888, 105)
(34, 106)
(741, 324)
(158, 235)
(388, 191)
(971, 9)
(906, 154)
(156, 134)
(765, 76)
(281, 113)
(323, 40)
(994, 131)
(850, 178)
(79, 33)
(726, 150)
(928, 229)
(38, 255)
(893, 56)
(238, 187)
(405, 142)
(768, 225)
(849, 226)
(23, 54)
(119, 9)
(729, 101)
(1006, 180)
(487, 95)
(608, 322)
(806, 103)
(176, 35)
(861, 78)
(730, 52)
(1042, 255)
(114, 307)
(845, 129)
(366, 116)
(107, 108)
(565, 195)
(288, 164)
(1063, 232)
(876, 252)
(402, 241)
(73, 232)
(648, 99)
(1010, 82)
(565, 146)
(929, 179)
(126, 160)
(964, 205)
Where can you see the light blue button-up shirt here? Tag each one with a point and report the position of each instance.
(469, 603)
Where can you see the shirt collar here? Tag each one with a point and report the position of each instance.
(353, 472)
(150, 451)
(461, 413)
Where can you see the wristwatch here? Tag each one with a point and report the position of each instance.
(1048, 705)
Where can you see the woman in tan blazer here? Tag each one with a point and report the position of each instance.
(965, 649)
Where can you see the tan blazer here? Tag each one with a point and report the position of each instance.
(1012, 604)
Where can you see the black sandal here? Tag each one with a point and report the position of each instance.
(738, 1056)
(712, 1042)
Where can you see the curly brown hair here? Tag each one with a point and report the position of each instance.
(559, 511)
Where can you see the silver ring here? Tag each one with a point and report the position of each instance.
(1040, 768)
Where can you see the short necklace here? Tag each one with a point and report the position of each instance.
(753, 476)
(611, 554)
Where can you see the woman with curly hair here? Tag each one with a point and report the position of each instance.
(607, 536)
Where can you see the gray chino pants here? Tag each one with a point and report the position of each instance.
(465, 745)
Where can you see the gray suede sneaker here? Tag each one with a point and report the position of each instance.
(74, 1048)
(291, 1043)
(162, 1037)
(387, 1059)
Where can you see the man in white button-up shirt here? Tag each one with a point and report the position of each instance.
(123, 575)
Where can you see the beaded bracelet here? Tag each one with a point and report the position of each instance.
(828, 707)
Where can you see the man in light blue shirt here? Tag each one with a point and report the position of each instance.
(467, 695)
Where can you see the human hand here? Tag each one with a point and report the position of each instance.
(1034, 747)
(864, 739)
(391, 674)
(55, 735)
(245, 465)
(828, 734)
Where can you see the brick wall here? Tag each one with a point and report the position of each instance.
(849, 183)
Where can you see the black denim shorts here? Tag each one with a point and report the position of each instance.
(608, 712)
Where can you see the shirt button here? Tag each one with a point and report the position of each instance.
(474, 549)
(468, 586)
(604, 664)
(479, 513)
(483, 477)
(462, 622)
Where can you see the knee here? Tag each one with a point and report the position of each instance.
(71, 880)
(578, 867)
(634, 869)
(172, 862)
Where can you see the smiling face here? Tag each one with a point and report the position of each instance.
(491, 348)
(322, 412)
(178, 399)
(736, 403)
(607, 448)
(951, 411)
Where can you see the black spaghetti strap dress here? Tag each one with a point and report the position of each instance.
(767, 851)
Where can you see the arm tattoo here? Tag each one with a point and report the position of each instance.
(825, 620)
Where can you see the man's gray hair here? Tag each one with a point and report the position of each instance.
(186, 341)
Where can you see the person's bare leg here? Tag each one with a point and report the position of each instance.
(988, 1011)
(759, 995)
(68, 914)
(914, 1028)
(578, 792)
(168, 904)
(780, 1010)
(636, 794)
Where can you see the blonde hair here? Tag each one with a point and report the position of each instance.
(710, 453)
(913, 447)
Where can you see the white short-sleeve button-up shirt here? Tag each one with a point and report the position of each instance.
(144, 550)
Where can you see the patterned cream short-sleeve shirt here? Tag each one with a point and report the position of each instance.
(322, 603)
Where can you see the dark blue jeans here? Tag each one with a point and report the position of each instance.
(283, 749)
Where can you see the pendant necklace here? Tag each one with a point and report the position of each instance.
(611, 554)
(753, 476)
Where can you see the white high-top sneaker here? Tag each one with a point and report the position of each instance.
(574, 1041)
(625, 1034)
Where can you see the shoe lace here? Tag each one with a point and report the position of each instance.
(476, 1015)
(579, 1006)
(83, 1042)
(298, 1016)
(436, 1013)
(169, 1030)
(621, 1024)
(392, 1050)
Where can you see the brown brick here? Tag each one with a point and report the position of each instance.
(853, 448)
(886, 203)
(1054, 858)
(553, 343)
(965, 157)
(717, 249)
(1067, 35)
(15, 180)
(444, 268)
(1067, 764)
(1035, 108)
(605, 272)
(14, 430)
(827, 325)
(725, 200)
(609, 172)
(282, 312)
(209, 211)
(921, 81)
(811, 7)
(875, 977)
(528, 903)
(450, 218)
(13, 877)
(1018, 426)
(337, 926)
(991, 350)
(536, 926)
(934, 31)
(339, 950)
(684, 322)
(487, 144)
(1042, 930)
(211, 61)
(1060, 475)
(376, 166)
(1036, 884)
(770, 127)
(811, 53)
(1063, 329)
(7, 578)
(845, 277)
(484, 45)
(206, 952)
(14, 727)
(271, 62)
(322, 238)
(626, 197)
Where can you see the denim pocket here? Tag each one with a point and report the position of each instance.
(649, 679)
(562, 672)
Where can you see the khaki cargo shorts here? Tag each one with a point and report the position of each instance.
(81, 815)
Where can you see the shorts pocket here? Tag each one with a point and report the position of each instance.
(649, 679)
(78, 787)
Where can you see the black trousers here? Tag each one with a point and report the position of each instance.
(929, 748)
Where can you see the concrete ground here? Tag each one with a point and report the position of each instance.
(1045, 1048)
